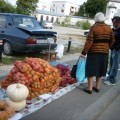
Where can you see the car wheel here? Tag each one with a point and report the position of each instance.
(7, 48)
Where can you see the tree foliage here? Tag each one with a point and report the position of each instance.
(91, 7)
(26, 6)
(6, 7)
(81, 11)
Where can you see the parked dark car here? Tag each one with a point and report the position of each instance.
(23, 33)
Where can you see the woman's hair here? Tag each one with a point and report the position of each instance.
(99, 17)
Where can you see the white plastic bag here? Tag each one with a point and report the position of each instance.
(60, 50)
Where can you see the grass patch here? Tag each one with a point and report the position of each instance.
(7, 60)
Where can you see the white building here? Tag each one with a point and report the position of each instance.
(64, 7)
(43, 6)
(113, 8)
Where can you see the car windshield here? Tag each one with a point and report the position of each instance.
(26, 22)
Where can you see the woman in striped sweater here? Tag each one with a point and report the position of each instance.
(99, 40)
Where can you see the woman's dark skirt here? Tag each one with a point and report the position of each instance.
(96, 64)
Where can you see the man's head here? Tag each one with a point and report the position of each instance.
(115, 17)
(116, 21)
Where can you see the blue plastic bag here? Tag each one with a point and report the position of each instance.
(80, 73)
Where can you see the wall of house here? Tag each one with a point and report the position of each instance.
(63, 7)
(71, 8)
(42, 17)
(43, 6)
(110, 12)
(60, 19)
(74, 20)
(57, 7)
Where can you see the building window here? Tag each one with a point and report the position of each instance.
(53, 5)
(2, 21)
(52, 19)
(41, 18)
(62, 11)
(47, 18)
(62, 5)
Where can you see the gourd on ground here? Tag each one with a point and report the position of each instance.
(16, 105)
(5, 111)
(17, 92)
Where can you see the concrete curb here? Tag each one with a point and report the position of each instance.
(97, 108)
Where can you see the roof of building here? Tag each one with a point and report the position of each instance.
(113, 1)
(65, 1)
(48, 13)
(112, 6)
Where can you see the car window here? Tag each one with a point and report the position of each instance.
(2, 21)
(26, 22)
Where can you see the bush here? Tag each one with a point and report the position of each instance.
(86, 25)
(78, 24)
(66, 22)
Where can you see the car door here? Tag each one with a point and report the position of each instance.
(2, 26)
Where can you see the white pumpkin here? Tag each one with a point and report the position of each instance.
(16, 105)
(17, 92)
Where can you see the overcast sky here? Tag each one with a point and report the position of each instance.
(79, 2)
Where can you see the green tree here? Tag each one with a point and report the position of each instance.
(26, 6)
(94, 6)
(6, 7)
(91, 7)
(81, 11)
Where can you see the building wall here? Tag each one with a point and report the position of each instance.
(110, 12)
(58, 19)
(63, 7)
(43, 6)
(42, 17)
(75, 20)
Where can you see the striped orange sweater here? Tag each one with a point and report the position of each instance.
(99, 39)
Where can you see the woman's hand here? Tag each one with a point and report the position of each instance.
(82, 56)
